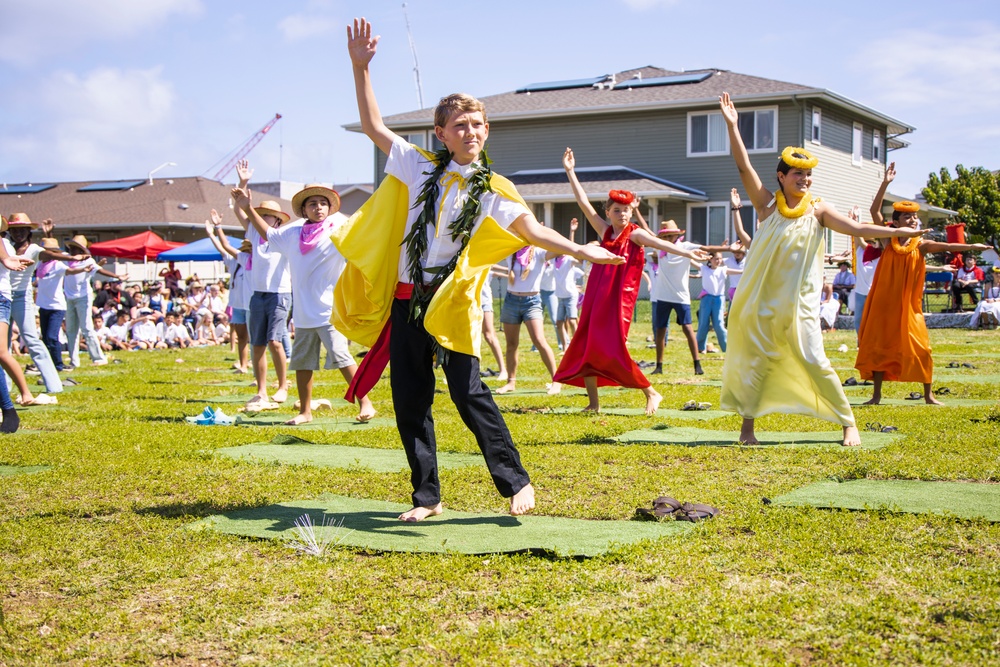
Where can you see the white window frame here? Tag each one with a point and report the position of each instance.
(816, 128)
(774, 129)
(877, 146)
(749, 226)
(692, 114)
(420, 134)
(857, 139)
(727, 223)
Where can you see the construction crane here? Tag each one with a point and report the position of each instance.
(241, 151)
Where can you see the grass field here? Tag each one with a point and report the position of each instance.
(97, 566)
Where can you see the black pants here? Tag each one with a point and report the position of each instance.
(972, 290)
(411, 351)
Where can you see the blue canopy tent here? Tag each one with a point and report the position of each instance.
(198, 251)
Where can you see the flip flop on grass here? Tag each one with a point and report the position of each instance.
(695, 405)
(914, 396)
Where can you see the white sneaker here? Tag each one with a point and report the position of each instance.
(101, 362)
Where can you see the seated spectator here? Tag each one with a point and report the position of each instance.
(222, 329)
(968, 280)
(204, 333)
(103, 333)
(118, 332)
(113, 291)
(171, 280)
(214, 302)
(175, 334)
(144, 333)
(843, 283)
(155, 300)
(829, 307)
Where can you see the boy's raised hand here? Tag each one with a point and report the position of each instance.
(574, 225)
(244, 172)
(216, 218)
(734, 198)
(890, 172)
(569, 161)
(360, 43)
(728, 109)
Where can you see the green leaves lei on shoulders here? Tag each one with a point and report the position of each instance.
(460, 229)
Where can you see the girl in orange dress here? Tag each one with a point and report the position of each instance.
(893, 343)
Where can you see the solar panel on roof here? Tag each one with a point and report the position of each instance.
(561, 85)
(110, 185)
(26, 188)
(696, 77)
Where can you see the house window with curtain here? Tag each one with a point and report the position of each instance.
(708, 224)
(876, 146)
(817, 122)
(707, 134)
(758, 128)
(856, 137)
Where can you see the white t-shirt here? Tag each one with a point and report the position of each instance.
(314, 274)
(145, 331)
(239, 297)
(20, 281)
(549, 277)
(866, 271)
(175, 332)
(408, 165)
(567, 278)
(50, 287)
(102, 334)
(532, 282)
(269, 272)
(730, 262)
(672, 278)
(713, 281)
(118, 331)
(77, 285)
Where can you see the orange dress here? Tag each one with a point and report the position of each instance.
(893, 336)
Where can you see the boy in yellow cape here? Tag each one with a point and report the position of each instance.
(418, 253)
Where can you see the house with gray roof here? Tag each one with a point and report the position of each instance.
(660, 134)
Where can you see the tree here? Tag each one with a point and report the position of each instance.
(974, 193)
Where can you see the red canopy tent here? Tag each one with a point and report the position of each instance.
(145, 245)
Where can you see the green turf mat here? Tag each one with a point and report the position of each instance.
(10, 471)
(373, 524)
(694, 437)
(248, 383)
(968, 377)
(239, 399)
(566, 391)
(962, 499)
(689, 383)
(857, 401)
(346, 423)
(668, 413)
(292, 450)
(75, 387)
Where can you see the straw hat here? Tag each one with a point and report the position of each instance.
(271, 208)
(20, 220)
(669, 227)
(246, 246)
(3, 223)
(49, 243)
(312, 190)
(79, 241)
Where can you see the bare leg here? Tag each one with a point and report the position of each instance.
(595, 400)
(653, 399)
(877, 389)
(929, 397)
(281, 369)
(660, 341)
(693, 346)
(366, 409)
(747, 436)
(523, 501)
(304, 383)
(260, 371)
(536, 330)
(512, 336)
(420, 513)
(242, 345)
(490, 334)
(851, 436)
(13, 368)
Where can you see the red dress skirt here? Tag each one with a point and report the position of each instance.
(598, 348)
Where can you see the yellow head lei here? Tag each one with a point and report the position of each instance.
(807, 162)
(906, 207)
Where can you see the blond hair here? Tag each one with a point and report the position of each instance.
(456, 103)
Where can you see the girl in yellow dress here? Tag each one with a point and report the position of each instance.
(775, 361)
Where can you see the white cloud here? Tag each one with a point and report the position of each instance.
(33, 30)
(103, 123)
(298, 27)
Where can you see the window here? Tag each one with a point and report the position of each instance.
(748, 216)
(418, 139)
(856, 137)
(707, 134)
(817, 122)
(758, 128)
(876, 146)
(707, 223)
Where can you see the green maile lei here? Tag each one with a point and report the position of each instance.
(460, 229)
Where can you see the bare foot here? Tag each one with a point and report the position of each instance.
(747, 436)
(592, 407)
(280, 396)
(554, 388)
(930, 400)
(523, 501)
(502, 377)
(875, 400)
(299, 419)
(653, 399)
(420, 513)
(26, 399)
(507, 388)
(367, 410)
(851, 436)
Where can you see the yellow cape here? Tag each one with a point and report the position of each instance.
(370, 242)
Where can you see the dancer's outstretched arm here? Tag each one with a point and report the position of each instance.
(938, 246)
(828, 216)
(528, 228)
(361, 46)
(876, 209)
(599, 224)
(644, 238)
(759, 195)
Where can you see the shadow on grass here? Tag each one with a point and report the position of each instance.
(196, 510)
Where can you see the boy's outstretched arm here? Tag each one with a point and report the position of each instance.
(528, 228)
(361, 45)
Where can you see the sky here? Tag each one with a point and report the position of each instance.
(111, 89)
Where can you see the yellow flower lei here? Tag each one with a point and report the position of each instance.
(798, 211)
(907, 249)
(788, 157)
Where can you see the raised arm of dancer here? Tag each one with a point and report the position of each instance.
(760, 196)
(644, 238)
(638, 214)
(599, 224)
(223, 247)
(361, 46)
(734, 205)
(528, 228)
(831, 219)
(107, 274)
(242, 199)
(726, 246)
(876, 209)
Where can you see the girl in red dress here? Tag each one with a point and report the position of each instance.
(598, 355)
